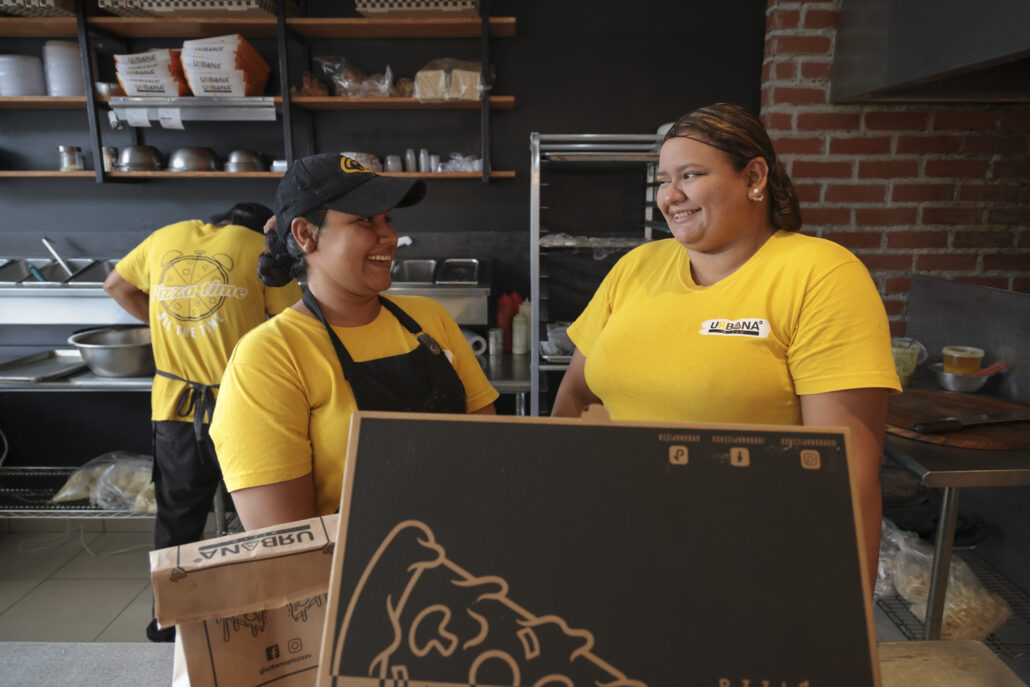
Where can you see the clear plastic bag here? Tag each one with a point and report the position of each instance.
(352, 81)
(80, 484)
(119, 485)
(970, 611)
(449, 79)
(462, 163)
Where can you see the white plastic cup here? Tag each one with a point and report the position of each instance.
(393, 163)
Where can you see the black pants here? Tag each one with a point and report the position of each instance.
(186, 476)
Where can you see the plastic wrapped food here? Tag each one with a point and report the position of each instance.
(145, 501)
(449, 79)
(970, 611)
(310, 85)
(80, 483)
(351, 81)
(119, 485)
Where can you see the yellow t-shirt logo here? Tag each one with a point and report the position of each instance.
(348, 165)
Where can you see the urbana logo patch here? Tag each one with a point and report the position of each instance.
(750, 326)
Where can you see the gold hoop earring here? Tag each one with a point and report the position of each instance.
(757, 196)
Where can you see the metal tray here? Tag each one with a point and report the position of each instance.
(43, 367)
(464, 271)
(561, 359)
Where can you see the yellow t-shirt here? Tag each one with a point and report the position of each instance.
(284, 407)
(802, 316)
(204, 295)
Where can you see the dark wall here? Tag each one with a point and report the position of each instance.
(575, 66)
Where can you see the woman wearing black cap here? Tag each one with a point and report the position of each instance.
(282, 420)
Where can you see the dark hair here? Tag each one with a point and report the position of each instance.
(740, 135)
(250, 215)
(283, 258)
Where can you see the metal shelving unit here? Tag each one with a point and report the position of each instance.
(575, 151)
(26, 492)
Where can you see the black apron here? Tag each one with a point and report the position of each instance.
(196, 398)
(422, 381)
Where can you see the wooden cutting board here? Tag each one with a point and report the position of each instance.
(922, 404)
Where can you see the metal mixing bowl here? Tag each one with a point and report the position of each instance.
(244, 161)
(964, 383)
(193, 159)
(138, 159)
(116, 351)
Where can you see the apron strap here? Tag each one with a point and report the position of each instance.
(197, 399)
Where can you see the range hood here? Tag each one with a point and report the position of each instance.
(932, 51)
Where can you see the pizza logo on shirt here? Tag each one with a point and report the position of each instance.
(749, 327)
(192, 287)
(415, 616)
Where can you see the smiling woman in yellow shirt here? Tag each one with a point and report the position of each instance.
(738, 318)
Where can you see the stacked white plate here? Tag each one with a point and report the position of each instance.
(63, 66)
(21, 75)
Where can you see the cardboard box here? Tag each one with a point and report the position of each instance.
(249, 607)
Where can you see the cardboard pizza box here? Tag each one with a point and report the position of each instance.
(249, 607)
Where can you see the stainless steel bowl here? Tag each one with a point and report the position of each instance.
(138, 159)
(244, 161)
(193, 159)
(964, 383)
(116, 351)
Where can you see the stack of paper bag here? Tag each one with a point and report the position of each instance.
(224, 66)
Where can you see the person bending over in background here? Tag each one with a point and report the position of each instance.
(738, 317)
(281, 424)
(196, 285)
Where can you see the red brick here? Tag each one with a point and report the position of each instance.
(817, 216)
(885, 217)
(917, 193)
(887, 262)
(767, 69)
(808, 193)
(969, 169)
(898, 327)
(888, 169)
(802, 45)
(777, 120)
(1009, 216)
(860, 145)
(993, 282)
(767, 98)
(896, 121)
(782, 19)
(929, 144)
(951, 216)
(856, 239)
(996, 145)
(897, 284)
(917, 239)
(815, 70)
(821, 19)
(784, 70)
(799, 96)
(1021, 285)
(1015, 120)
(893, 307)
(963, 119)
(951, 262)
(1011, 170)
(856, 193)
(829, 120)
(1012, 262)
(799, 145)
(807, 169)
(990, 192)
(983, 239)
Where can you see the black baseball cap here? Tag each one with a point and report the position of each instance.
(339, 183)
(250, 215)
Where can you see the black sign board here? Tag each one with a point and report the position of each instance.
(550, 553)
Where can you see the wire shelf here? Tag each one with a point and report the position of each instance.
(27, 493)
(1011, 641)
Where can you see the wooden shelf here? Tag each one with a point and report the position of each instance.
(43, 102)
(156, 174)
(312, 102)
(309, 27)
(47, 173)
(334, 27)
(184, 27)
(38, 27)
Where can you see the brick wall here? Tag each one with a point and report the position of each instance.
(935, 189)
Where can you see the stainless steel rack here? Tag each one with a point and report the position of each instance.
(577, 150)
(27, 493)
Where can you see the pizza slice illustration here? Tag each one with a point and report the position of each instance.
(417, 617)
